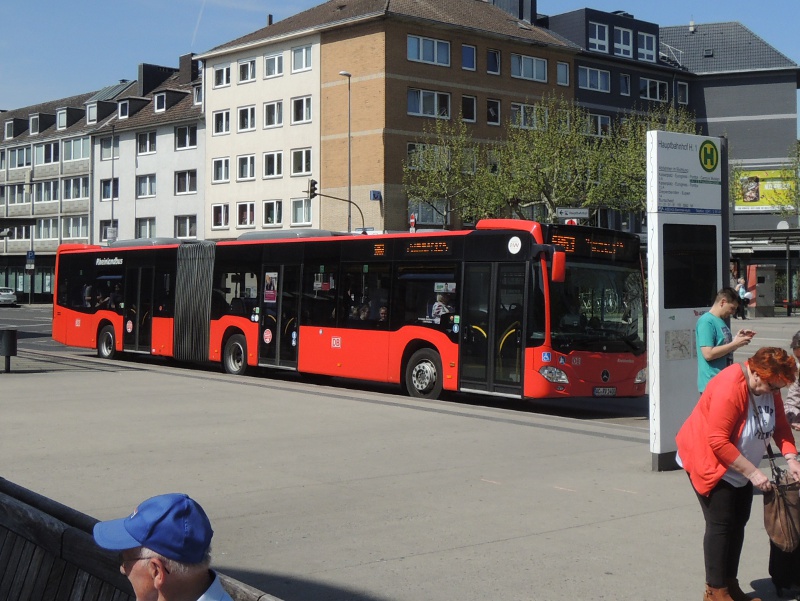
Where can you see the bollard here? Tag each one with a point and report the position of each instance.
(8, 346)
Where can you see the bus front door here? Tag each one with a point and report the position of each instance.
(491, 328)
(279, 316)
(137, 312)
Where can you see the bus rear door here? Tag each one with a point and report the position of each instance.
(279, 315)
(137, 313)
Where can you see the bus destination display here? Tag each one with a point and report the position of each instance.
(428, 247)
(597, 246)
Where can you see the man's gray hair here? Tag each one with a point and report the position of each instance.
(178, 567)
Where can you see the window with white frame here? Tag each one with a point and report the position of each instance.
(222, 76)
(33, 124)
(198, 94)
(245, 214)
(105, 226)
(109, 187)
(598, 37)
(47, 228)
(273, 212)
(647, 47)
(492, 111)
(528, 116)
(599, 125)
(273, 113)
(160, 103)
(426, 156)
(46, 154)
(146, 142)
(145, 227)
(186, 182)
(429, 213)
(301, 161)
(145, 185)
(301, 109)
(247, 70)
(562, 74)
(273, 65)
(653, 89)
(683, 92)
(427, 103)
(493, 62)
(528, 67)
(222, 122)
(220, 170)
(468, 57)
(74, 227)
(469, 108)
(624, 84)
(301, 211)
(9, 133)
(186, 226)
(301, 59)
(2, 194)
(246, 167)
(20, 232)
(123, 109)
(273, 164)
(623, 42)
(46, 191)
(76, 188)
(109, 149)
(61, 117)
(594, 79)
(76, 149)
(91, 115)
(185, 137)
(428, 50)
(247, 118)
(17, 194)
(19, 157)
(220, 216)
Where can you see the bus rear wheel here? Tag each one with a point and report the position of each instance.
(107, 343)
(424, 374)
(234, 357)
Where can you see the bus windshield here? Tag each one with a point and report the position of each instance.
(598, 308)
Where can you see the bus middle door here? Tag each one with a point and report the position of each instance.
(137, 313)
(279, 329)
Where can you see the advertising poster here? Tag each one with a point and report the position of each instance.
(271, 287)
(764, 191)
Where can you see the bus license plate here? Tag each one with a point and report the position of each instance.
(608, 391)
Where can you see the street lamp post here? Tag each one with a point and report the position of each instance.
(349, 157)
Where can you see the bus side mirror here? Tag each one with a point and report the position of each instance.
(558, 266)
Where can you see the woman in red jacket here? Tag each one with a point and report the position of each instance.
(720, 446)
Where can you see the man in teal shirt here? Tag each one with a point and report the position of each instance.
(715, 344)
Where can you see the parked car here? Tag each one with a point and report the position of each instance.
(8, 296)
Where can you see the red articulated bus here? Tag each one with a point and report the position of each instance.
(512, 308)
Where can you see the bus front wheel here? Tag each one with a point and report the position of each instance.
(424, 374)
(234, 359)
(107, 343)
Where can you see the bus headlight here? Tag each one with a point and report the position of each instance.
(641, 377)
(553, 374)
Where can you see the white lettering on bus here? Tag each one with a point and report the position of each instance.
(114, 261)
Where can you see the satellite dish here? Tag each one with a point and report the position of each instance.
(782, 225)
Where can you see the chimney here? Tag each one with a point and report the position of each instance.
(269, 20)
(187, 68)
(691, 26)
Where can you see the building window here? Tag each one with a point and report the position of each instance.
(186, 226)
(61, 117)
(562, 74)
(146, 143)
(198, 94)
(625, 84)
(426, 103)
(273, 113)
(245, 214)
(301, 59)
(247, 118)
(493, 62)
(428, 50)
(247, 70)
(594, 79)
(46, 154)
(185, 137)
(145, 185)
(105, 226)
(91, 115)
(623, 42)
(221, 170)
(76, 149)
(146, 227)
(109, 187)
(301, 109)
(273, 65)
(186, 182)
(160, 103)
(47, 229)
(19, 157)
(429, 213)
(469, 108)
(222, 76)
(109, 149)
(683, 92)
(123, 110)
(493, 112)
(33, 125)
(599, 125)
(74, 227)
(76, 188)
(653, 89)
(220, 216)
(598, 37)
(301, 161)
(9, 130)
(17, 194)
(468, 57)
(273, 212)
(528, 67)
(528, 116)
(222, 122)
(46, 191)
(301, 211)
(647, 47)
(273, 164)
(246, 167)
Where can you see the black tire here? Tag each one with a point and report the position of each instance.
(107, 343)
(234, 357)
(424, 374)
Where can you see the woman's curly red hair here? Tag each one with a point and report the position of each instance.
(773, 365)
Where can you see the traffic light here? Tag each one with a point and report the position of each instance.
(312, 188)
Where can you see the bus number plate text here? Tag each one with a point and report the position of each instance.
(605, 391)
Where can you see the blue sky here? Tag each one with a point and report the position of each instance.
(57, 48)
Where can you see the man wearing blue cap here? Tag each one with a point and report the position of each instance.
(164, 550)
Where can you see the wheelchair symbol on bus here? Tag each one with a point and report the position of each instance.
(545, 357)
